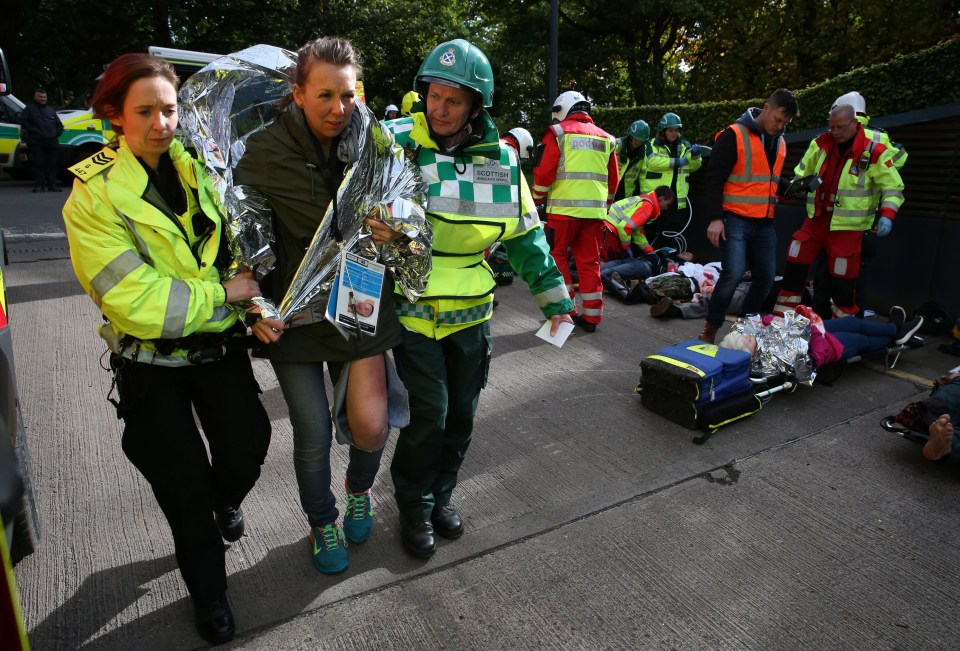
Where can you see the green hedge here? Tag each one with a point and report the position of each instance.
(912, 81)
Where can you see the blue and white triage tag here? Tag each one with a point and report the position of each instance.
(355, 300)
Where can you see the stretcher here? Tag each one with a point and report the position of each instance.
(829, 373)
(891, 425)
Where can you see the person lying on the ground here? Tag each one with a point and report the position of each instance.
(850, 337)
(665, 308)
(943, 441)
(625, 277)
(824, 343)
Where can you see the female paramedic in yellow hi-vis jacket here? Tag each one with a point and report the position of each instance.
(145, 234)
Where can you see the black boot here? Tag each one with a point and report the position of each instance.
(447, 522)
(215, 620)
(418, 537)
(230, 523)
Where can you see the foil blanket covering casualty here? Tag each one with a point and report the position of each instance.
(237, 95)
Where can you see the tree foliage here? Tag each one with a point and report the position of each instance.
(617, 52)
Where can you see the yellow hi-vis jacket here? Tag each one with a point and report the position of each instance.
(150, 272)
(476, 196)
(851, 204)
(581, 187)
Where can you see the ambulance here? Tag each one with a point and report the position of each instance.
(83, 135)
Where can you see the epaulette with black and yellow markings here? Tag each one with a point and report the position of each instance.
(89, 168)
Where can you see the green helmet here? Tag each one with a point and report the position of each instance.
(669, 121)
(639, 130)
(459, 63)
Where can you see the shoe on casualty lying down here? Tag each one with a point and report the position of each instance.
(898, 315)
(907, 330)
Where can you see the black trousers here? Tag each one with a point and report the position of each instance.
(162, 440)
(45, 163)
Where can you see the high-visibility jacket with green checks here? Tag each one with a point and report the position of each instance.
(852, 205)
(661, 168)
(580, 187)
(476, 196)
(149, 270)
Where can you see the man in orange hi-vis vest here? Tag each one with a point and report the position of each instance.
(742, 183)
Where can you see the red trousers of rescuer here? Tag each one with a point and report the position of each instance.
(843, 265)
(582, 237)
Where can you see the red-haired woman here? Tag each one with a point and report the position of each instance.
(145, 233)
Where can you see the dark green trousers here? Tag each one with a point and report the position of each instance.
(444, 378)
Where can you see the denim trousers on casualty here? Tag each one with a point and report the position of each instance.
(628, 268)
(304, 390)
(750, 243)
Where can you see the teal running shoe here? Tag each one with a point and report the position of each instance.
(358, 518)
(329, 549)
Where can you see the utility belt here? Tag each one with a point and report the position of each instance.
(201, 347)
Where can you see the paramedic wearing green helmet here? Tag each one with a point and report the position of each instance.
(476, 196)
(670, 161)
(631, 153)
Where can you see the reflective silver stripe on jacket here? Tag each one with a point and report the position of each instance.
(464, 207)
(111, 275)
(175, 316)
(220, 313)
(581, 176)
(576, 203)
(552, 295)
(527, 221)
(138, 241)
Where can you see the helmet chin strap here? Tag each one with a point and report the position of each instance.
(465, 133)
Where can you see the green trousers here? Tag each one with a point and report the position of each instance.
(443, 378)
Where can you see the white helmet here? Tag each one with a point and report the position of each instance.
(524, 140)
(565, 102)
(854, 99)
(392, 107)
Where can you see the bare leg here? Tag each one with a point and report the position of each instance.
(367, 402)
(940, 443)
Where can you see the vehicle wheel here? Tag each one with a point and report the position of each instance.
(26, 525)
(20, 174)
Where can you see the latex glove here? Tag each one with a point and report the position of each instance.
(682, 161)
(884, 226)
(695, 151)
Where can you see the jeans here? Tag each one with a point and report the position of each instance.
(750, 242)
(628, 268)
(859, 336)
(304, 390)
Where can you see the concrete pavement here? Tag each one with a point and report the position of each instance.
(591, 523)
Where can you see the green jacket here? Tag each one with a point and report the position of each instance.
(281, 162)
(152, 275)
(476, 197)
